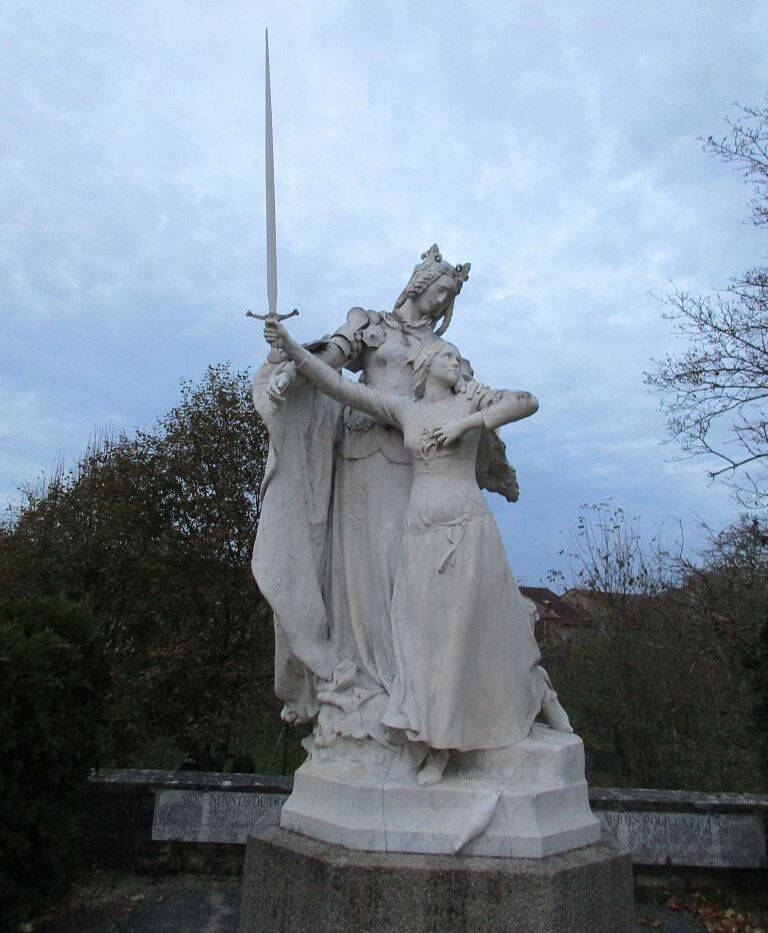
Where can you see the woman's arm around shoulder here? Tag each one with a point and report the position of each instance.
(496, 407)
(489, 408)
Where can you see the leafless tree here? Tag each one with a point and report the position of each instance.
(715, 393)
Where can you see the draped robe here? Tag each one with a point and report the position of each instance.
(333, 503)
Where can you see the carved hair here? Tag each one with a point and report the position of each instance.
(428, 271)
(423, 362)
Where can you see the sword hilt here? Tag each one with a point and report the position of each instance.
(275, 354)
(272, 316)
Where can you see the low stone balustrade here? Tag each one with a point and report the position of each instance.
(199, 821)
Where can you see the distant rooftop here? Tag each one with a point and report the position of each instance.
(551, 607)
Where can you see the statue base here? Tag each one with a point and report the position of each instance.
(292, 884)
(526, 801)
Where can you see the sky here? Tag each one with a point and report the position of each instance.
(556, 146)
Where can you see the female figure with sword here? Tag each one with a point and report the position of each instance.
(371, 474)
(466, 671)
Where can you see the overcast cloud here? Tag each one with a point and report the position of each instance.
(554, 145)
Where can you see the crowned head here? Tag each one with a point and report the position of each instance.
(433, 287)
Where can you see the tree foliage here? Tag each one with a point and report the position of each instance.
(730, 590)
(715, 393)
(53, 686)
(153, 533)
(669, 687)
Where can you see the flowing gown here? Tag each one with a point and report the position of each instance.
(333, 505)
(466, 662)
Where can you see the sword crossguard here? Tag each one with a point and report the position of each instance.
(276, 355)
(272, 316)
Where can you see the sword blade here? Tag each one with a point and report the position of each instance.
(269, 159)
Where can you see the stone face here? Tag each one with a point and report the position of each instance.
(122, 804)
(691, 828)
(293, 883)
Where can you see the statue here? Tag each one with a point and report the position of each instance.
(466, 673)
(371, 471)
(402, 636)
(399, 629)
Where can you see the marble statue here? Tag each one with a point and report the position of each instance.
(371, 474)
(400, 630)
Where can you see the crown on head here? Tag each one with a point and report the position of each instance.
(433, 262)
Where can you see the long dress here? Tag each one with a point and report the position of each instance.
(333, 504)
(333, 501)
(372, 482)
(466, 661)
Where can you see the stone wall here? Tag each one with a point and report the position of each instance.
(153, 821)
(165, 821)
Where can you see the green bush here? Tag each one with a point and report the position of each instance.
(153, 532)
(52, 684)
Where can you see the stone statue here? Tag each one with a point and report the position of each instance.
(401, 635)
(371, 474)
(466, 672)
(399, 626)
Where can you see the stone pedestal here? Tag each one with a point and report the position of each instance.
(526, 801)
(292, 884)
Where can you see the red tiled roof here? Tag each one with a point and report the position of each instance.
(552, 607)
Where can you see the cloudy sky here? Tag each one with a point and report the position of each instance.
(553, 145)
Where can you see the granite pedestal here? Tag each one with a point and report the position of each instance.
(292, 884)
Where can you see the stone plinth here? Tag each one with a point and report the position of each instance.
(526, 801)
(292, 884)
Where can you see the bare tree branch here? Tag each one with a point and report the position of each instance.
(715, 391)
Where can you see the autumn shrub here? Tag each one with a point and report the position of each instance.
(668, 685)
(153, 531)
(53, 685)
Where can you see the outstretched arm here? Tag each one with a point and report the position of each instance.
(493, 409)
(338, 351)
(286, 375)
(327, 380)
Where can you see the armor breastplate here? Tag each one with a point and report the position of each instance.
(383, 344)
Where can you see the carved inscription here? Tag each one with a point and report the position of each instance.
(717, 840)
(209, 816)
(720, 840)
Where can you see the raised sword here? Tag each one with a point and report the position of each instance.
(275, 355)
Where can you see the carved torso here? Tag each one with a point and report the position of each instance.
(387, 356)
(445, 489)
(384, 351)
